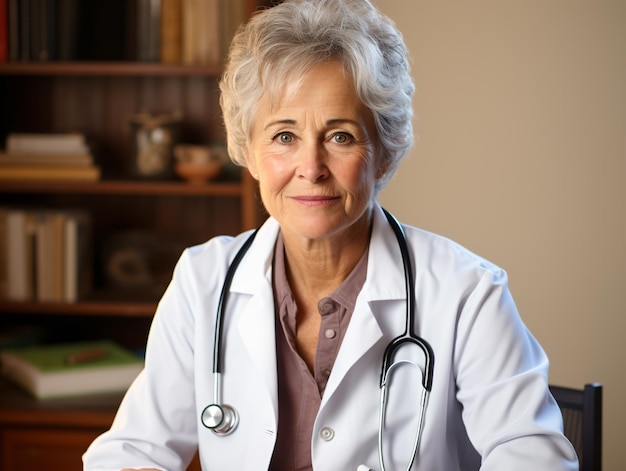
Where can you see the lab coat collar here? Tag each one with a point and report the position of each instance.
(385, 281)
(385, 275)
(256, 324)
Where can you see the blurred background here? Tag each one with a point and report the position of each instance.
(521, 157)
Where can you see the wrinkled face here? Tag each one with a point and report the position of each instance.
(314, 152)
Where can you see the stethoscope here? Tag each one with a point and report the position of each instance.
(222, 419)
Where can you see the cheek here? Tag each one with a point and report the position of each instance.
(360, 175)
(274, 173)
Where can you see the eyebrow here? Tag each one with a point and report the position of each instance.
(330, 122)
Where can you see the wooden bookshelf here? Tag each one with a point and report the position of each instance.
(97, 99)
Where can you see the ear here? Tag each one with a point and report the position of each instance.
(250, 162)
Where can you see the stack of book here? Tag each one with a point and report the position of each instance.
(45, 255)
(71, 369)
(47, 157)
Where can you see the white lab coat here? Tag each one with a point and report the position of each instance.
(489, 397)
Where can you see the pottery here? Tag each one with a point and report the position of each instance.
(198, 164)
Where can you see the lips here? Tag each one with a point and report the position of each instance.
(315, 200)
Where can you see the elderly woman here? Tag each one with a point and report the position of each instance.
(317, 103)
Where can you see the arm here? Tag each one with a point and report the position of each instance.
(501, 374)
(155, 426)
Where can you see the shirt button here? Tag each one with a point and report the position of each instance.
(327, 433)
(326, 306)
(329, 334)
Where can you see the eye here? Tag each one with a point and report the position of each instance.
(341, 138)
(284, 137)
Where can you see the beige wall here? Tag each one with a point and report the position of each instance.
(521, 118)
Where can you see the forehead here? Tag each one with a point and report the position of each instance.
(319, 84)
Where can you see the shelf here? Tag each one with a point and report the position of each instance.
(17, 408)
(109, 69)
(81, 308)
(123, 187)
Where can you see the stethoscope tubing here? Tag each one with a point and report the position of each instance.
(227, 417)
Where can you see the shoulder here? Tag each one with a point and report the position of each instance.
(213, 257)
(442, 256)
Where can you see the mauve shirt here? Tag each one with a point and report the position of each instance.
(299, 391)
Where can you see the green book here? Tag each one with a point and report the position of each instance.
(71, 369)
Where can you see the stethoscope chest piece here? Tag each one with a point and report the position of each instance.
(221, 419)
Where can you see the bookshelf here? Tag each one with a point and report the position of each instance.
(97, 98)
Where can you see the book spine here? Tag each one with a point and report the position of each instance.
(44, 253)
(190, 45)
(208, 32)
(66, 29)
(171, 31)
(4, 252)
(233, 16)
(70, 269)
(46, 143)
(19, 240)
(13, 24)
(24, 20)
(77, 266)
(149, 30)
(47, 253)
(4, 31)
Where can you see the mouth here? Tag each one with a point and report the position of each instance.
(315, 201)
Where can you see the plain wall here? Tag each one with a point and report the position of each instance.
(521, 157)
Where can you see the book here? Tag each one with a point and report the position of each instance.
(71, 369)
(24, 13)
(44, 158)
(49, 173)
(44, 252)
(61, 143)
(201, 32)
(42, 30)
(4, 252)
(77, 256)
(188, 19)
(4, 31)
(13, 24)
(148, 30)
(208, 32)
(67, 29)
(171, 31)
(233, 15)
(48, 254)
(20, 259)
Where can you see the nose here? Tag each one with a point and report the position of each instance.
(312, 163)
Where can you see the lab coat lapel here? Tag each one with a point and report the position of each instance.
(256, 322)
(384, 283)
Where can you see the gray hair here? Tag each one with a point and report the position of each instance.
(278, 45)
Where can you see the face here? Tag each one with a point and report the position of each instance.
(314, 152)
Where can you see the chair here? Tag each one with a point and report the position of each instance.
(582, 421)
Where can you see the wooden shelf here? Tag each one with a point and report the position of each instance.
(91, 307)
(124, 187)
(17, 408)
(109, 69)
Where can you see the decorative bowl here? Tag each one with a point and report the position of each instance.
(198, 164)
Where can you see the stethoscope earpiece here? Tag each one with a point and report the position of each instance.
(221, 420)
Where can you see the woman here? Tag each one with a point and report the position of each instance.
(317, 103)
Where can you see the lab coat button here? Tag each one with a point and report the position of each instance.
(327, 433)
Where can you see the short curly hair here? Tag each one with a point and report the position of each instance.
(279, 44)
